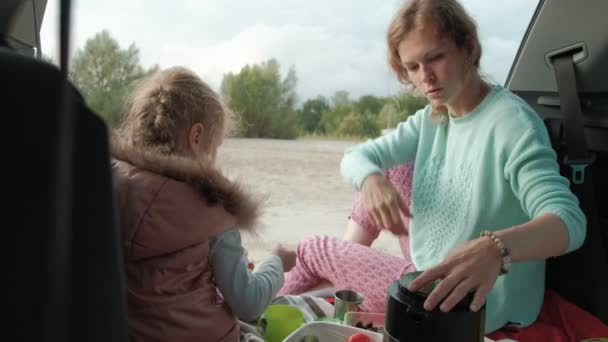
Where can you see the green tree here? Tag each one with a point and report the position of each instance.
(106, 74)
(352, 118)
(340, 107)
(358, 125)
(369, 104)
(330, 120)
(264, 105)
(398, 108)
(388, 116)
(408, 104)
(341, 97)
(309, 116)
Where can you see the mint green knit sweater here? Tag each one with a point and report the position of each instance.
(490, 169)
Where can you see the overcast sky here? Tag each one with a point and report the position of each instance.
(333, 44)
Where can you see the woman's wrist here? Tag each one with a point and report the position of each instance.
(372, 178)
(503, 252)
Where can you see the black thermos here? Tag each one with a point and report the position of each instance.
(407, 321)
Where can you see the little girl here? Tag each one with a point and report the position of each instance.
(181, 218)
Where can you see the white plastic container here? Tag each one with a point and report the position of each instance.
(335, 332)
(366, 320)
(329, 332)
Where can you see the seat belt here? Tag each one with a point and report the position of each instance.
(577, 156)
(579, 159)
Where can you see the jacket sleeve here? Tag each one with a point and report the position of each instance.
(247, 293)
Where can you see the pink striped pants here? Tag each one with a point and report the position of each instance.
(347, 265)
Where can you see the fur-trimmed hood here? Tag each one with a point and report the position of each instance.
(170, 208)
(208, 181)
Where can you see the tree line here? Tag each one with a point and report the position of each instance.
(265, 103)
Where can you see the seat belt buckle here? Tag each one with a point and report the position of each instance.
(578, 173)
(578, 168)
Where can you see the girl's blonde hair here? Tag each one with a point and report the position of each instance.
(166, 104)
(452, 22)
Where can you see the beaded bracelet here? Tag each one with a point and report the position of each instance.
(505, 253)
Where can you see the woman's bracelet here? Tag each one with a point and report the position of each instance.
(505, 253)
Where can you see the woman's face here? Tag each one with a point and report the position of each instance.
(434, 65)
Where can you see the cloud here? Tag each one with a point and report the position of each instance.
(498, 55)
(333, 44)
(324, 63)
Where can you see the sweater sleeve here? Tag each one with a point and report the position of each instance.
(381, 153)
(247, 293)
(531, 169)
(401, 178)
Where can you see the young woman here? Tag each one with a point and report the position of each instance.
(488, 202)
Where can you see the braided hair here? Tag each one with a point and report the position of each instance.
(168, 102)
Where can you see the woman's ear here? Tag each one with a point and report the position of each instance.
(473, 51)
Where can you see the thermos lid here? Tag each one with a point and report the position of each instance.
(408, 278)
(422, 293)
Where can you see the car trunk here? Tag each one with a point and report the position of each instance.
(561, 70)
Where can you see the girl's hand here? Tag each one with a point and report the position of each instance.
(250, 265)
(384, 204)
(473, 266)
(288, 256)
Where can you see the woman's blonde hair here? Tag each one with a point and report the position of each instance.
(451, 20)
(168, 102)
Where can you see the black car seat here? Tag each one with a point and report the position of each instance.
(561, 69)
(66, 270)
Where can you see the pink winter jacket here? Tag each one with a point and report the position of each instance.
(169, 208)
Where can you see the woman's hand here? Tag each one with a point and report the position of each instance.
(473, 266)
(384, 204)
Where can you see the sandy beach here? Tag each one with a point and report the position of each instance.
(305, 194)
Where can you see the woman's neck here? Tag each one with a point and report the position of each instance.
(471, 94)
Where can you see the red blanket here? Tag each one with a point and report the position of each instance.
(559, 321)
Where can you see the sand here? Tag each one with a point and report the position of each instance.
(305, 194)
